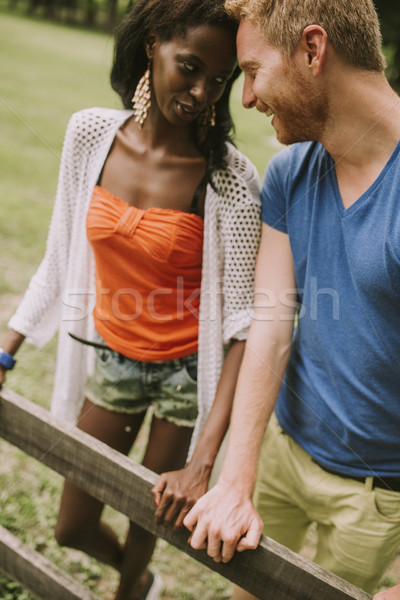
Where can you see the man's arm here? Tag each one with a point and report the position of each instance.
(391, 594)
(225, 519)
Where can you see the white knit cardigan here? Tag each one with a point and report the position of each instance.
(61, 294)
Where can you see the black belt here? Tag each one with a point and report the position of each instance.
(387, 483)
(89, 343)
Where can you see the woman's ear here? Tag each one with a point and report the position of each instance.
(150, 42)
(314, 44)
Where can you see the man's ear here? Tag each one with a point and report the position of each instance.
(150, 43)
(314, 42)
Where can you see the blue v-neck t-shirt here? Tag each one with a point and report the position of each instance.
(341, 396)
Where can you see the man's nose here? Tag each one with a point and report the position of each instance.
(249, 99)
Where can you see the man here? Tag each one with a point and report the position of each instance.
(331, 248)
(392, 594)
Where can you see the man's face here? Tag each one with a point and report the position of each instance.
(277, 86)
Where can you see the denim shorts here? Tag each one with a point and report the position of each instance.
(124, 385)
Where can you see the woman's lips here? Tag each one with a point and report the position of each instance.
(186, 112)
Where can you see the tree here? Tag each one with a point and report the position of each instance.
(112, 12)
(389, 16)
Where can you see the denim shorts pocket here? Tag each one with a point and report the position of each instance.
(190, 367)
(191, 371)
(387, 504)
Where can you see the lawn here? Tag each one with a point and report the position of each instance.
(46, 73)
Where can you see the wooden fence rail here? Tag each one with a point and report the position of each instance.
(270, 572)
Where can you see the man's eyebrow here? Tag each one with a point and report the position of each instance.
(248, 64)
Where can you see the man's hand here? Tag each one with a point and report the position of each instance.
(222, 521)
(176, 492)
(391, 594)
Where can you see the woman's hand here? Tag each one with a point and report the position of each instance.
(12, 341)
(2, 376)
(176, 492)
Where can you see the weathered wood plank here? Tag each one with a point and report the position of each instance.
(272, 571)
(36, 574)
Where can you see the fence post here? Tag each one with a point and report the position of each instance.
(271, 571)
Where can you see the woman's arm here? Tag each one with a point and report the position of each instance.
(11, 343)
(238, 235)
(177, 491)
(225, 519)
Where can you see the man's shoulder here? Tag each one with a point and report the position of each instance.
(289, 166)
(296, 155)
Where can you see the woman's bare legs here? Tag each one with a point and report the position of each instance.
(79, 522)
(166, 450)
(239, 594)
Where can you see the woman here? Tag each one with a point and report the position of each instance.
(155, 209)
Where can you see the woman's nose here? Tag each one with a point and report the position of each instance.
(200, 91)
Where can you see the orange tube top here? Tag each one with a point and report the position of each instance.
(148, 276)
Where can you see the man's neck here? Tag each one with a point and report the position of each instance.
(362, 132)
(364, 122)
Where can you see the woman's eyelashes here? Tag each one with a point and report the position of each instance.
(191, 69)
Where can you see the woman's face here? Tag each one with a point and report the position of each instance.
(190, 72)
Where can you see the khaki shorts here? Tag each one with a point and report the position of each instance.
(358, 526)
(123, 385)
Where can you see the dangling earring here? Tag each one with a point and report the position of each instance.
(141, 100)
(205, 122)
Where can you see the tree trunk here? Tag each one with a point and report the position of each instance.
(91, 13)
(112, 13)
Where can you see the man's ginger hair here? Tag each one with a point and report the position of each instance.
(352, 26)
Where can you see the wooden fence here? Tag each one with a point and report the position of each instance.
(270, 572)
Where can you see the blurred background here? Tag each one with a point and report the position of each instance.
(104, 14)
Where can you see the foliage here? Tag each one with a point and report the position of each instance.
(9, 590)
(89, 13)
(389, 15)
(104, 14)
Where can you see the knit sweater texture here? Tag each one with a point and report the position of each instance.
(61, 294)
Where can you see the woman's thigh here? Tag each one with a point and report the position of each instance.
(116, 429)
(79, 509)
(167, 447)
